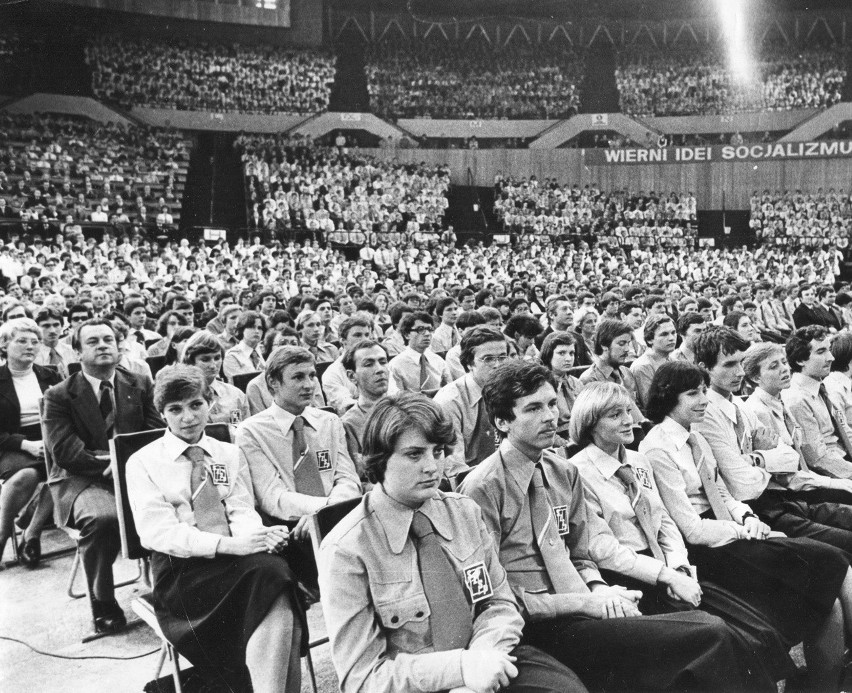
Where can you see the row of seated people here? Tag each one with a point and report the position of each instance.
(135, 71)
(474, 80)
(655, 546)
(294, 183)
(797, 216)
(698, 81)
(59, 167)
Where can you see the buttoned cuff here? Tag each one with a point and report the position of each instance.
(438, 671)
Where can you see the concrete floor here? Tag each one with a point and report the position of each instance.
(35, 608)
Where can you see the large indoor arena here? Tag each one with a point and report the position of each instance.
(428, 346)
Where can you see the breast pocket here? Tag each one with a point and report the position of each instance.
(406, 623)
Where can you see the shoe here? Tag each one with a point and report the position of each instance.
(29, 552)
(109, 617)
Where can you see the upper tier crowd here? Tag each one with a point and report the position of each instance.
(797, 218)
(209, 77)
(428, 80)
(60, 170)
(700, 82)
(342, 197)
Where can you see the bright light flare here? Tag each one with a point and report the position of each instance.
(733, 20)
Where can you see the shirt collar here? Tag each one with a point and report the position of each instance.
(726, 405)
(674, 432)
(175, 447)
(604, 368)
(519, 466)
(605, 463)
(806, 383)
(474, 392)
(96, 382)
(773, 403)
(396, 518)
(285, 419)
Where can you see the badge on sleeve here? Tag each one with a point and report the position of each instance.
(560, 514)
(840, 415)
(478, 582)
(219, 473)
(323, 460)
(644, 477)
(236, 416)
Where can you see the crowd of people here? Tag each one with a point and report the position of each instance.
(669, 82)
(529, 207)
(340, 196)
(209, 77)
(799, 219)
(474, 80)
(56, 171)
(604, 381)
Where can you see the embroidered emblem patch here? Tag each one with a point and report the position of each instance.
(560, 514)
(478, 582)
(839, 415)
(236, 416)
(323, 460)
(219, 474)
(644, 477)
(497, 439)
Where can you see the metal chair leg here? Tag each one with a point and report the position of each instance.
(160, 661)
(75, 568)
(175, 658)
(140, 571)
(311, 674)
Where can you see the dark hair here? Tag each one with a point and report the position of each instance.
(470, 318)
(443, 304)
(482, 296)
(652, 324)
(524, 325)
(715, 341)
(348, 358)
(390, 418)
(553, 340)
(477, 336)
(48, 313)
(515, 302)
(91, 322)
(703, 303)
(607, 331)
(220, 296)
(671, 379)
(283, 357)
(653, 300)
(407, 322)
(823, 290)
(163, 322)
(350, 322)
(798, 346)
(841, 350)
(132, 304)
(179, 382)
(627, 306)
(397, 310)
(79, 308)
(201, 343)
(511, 381)
(733, 318)
(248, 319)
(684, 322)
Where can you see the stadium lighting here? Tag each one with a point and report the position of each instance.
(733, 20)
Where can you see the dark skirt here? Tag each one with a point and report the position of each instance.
(13, 461)
(793, 582)
(209, 608)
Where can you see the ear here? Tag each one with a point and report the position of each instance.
(501, 425)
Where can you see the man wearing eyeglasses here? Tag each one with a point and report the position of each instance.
(417, 368)
(483, 349)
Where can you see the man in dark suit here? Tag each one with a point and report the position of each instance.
(81, 414)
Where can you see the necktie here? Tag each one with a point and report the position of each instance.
(207, 506)
(54, 359)
(451, 622)
(642, 508)
(743, 437)
(483, 443)
(106, 407)
(255, 360)
(708, 483)
(305, 470)
(140, 338)
(557, 561)
(565, 402)
(424, 372)
(615, 376)
(790, 425)
(839, 427)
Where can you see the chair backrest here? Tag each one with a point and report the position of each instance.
(324, 519)
(121, 448)
(322, 368)
(74, 367)
(242, 380)
(156, 364)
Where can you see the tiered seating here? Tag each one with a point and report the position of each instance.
(474, 81)
(533, 208)
(58, 167)
(293, 185)
(694, 81)
(802, 220)
(214, 77)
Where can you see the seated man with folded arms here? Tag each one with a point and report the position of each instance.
(297, 454)
(413, 594)
(222, 595)
(533, 503)
(750, 455)
(366, 364)
(826, 435)
(81, 414)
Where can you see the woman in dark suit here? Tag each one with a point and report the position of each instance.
(21, 448)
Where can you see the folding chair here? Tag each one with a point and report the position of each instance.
(242, 380)
(155, 363)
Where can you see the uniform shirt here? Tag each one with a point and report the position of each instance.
(600, 372)
(354, 424)
(374, 602)
(158, 485)
(643, 369)
(393, 343)
(747, 475)
(500, 486)
(823, 450)
(567, 389)
(453, 361)
(267, 441)
(405, 370)
(839, 388)
(260, 398)
(238, 360)
(461, 400)
(445, 338)
(680, 488)
(323, 352)
(340, 392)
(608, 497)
(229, 404)
(66, 353)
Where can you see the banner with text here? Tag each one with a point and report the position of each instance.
(745, 152)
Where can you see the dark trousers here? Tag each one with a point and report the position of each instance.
(538, 672)
(94, 515)
(807, 514)
(691, 651)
